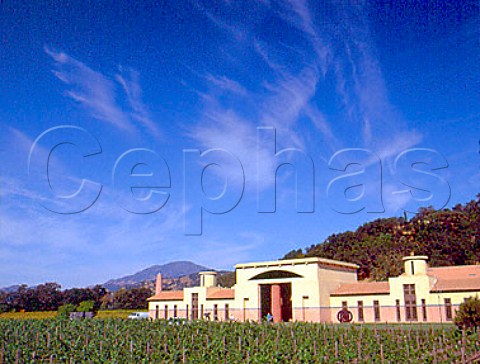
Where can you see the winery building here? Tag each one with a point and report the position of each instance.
(317, 289)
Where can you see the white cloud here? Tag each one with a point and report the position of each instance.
(227, 85)
(288, 98)
(235, 30)
(133, 91)
(89, 88)
(225, 129)
(393, 201)
(100, 95)
(100, 238)
(303, 19)
(261, 49)
(362, 87)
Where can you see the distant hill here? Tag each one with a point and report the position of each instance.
(174, 272)
(448, 237)
(10, 289)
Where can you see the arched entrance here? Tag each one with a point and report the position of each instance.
(276, 298)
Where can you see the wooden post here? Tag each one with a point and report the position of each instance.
(359, 350)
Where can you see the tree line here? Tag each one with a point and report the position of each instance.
(49, 297)
(447, 236)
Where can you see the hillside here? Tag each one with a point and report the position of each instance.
(448, 237)
(174, 273)
(10, 289)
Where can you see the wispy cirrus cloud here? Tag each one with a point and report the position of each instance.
(226, 84)
(101, 96)
(280, 102)
(238, 33)
(129, 80)
(362, 87)
(226, 129)
(347, 49)
(288, 98)
(335, 60)
(89, 88)
(92, 237)
(300, 16)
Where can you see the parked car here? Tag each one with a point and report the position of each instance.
(139, 316)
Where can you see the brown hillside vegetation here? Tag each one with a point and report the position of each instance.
(448, 237)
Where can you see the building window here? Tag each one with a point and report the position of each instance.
(413, 267)
(448, 309)
(397, 306)
(215, 312)
(360, 311)
(166, 312)
(175, 311)
(227, 312)
(156, 312)
(201, 311)
(424, 309)
(376, 310)
(410, 302)
(194, 306)
(186, 311)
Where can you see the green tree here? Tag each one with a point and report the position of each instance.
(134, 298)
(3, 302)
(294, 254)
(86, 306)
(468, 315)
(65, 310)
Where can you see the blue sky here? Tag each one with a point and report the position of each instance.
(140, 134)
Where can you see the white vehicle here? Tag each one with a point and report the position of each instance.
(139, 316)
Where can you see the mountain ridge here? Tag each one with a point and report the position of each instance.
(170, 271)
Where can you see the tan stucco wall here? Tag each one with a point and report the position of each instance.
(435, 307)
(311, 293)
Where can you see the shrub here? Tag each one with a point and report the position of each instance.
(65, 310)
(468, 315)
(86, 306)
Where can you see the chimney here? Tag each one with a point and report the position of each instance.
(158, 285)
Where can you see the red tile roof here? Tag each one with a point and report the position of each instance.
(217, 293)
(167, 296)
(454, 279)
(454, 285)
(362, 288)
(459, 271)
